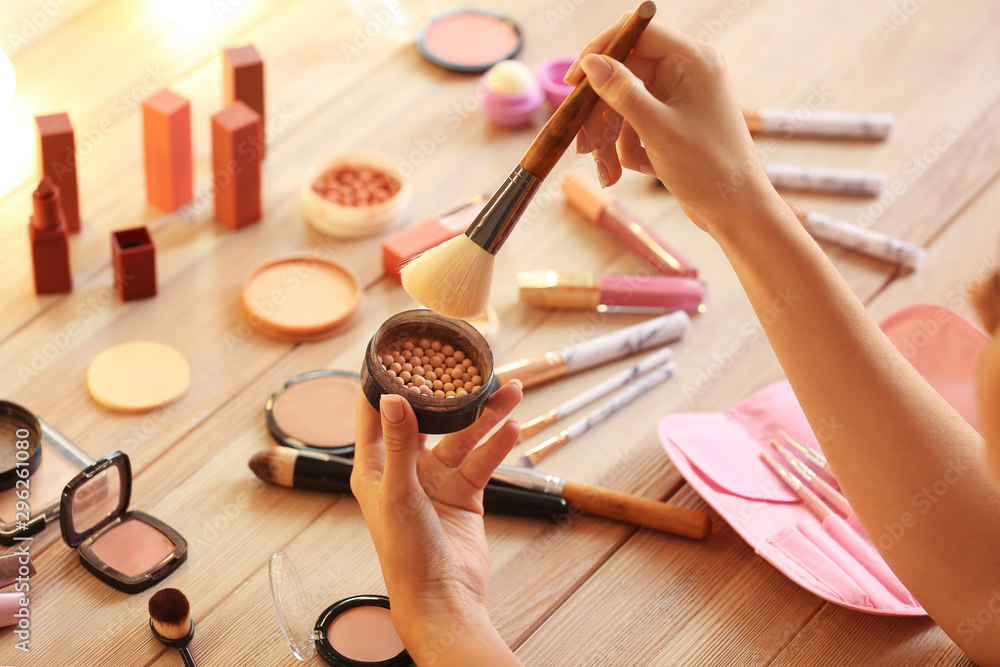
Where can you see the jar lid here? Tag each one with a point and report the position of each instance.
(289, 606)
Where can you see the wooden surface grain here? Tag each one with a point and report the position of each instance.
(588, 590)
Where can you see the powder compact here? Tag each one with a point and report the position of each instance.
(315, 412)
(128, 550)
(442, 366)
(59, 460)
(300, 298)
(20, 444)
(469, 40)
(354, 632)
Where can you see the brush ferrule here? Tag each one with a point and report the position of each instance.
(529, 479)
(497, 219)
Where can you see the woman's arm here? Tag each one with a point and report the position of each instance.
(912, 468)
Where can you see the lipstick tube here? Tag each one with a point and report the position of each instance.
(616, 345)
(818, 123)
(404, 245)
(592, 291)
(825, 179)
(599, 207)
(866, 241)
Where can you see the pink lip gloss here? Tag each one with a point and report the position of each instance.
(601, 208)
(609, 292)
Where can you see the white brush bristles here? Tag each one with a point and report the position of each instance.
(452, 278)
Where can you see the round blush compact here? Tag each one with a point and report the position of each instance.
(469, 40)
(315, 412)
(20, 444)
(354, 632)
(300, 299)
(442, 367)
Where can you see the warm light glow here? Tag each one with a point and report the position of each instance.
(189, 22)
(17, 136)
(7, 80)
(551, 278)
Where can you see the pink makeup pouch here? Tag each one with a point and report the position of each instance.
(719, 455)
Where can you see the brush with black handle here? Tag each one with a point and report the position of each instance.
(170, 621)
(289, 467)
(454, 278)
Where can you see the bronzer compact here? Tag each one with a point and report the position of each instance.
(128, 550)
(315, 412)
(354, 632)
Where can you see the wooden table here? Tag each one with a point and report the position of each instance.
(589, 591)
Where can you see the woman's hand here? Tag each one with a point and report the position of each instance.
(424, 511)
(670, 111)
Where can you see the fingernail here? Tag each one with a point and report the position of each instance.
(391, 407)
(602, 174)
(520, 385)
(571, 72)
(597, 69)
(581, 142)
(647, 169)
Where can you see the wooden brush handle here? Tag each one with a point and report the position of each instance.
(639, 511)
(567, 120)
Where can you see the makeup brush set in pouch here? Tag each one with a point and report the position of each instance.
(790, 517)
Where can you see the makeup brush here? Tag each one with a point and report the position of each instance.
(613, 504)
(814, 456)
(820, 485)
(631, 394)
(597, 391)
(170, 621)
(454, 277)
(293, 468)
(839, 530)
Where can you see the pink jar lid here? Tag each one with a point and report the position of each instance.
(550, 73)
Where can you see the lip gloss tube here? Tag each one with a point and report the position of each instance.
(596, 351)
(866, 241)
(599, 207)
(406, 244)
(825, 179)
(605, 291)
(819, 123)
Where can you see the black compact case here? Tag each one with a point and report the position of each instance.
(94, 504)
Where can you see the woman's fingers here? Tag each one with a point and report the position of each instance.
(454, 449)
(485, 459)
(402, 442)
(631, 153)
(369, 455)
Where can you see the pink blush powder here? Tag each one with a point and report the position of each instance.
(364, 633)
(471, 40)
(132, 547)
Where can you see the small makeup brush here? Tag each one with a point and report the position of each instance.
(170, 621)
(820, 485)
(814, 456)
(454, 278)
